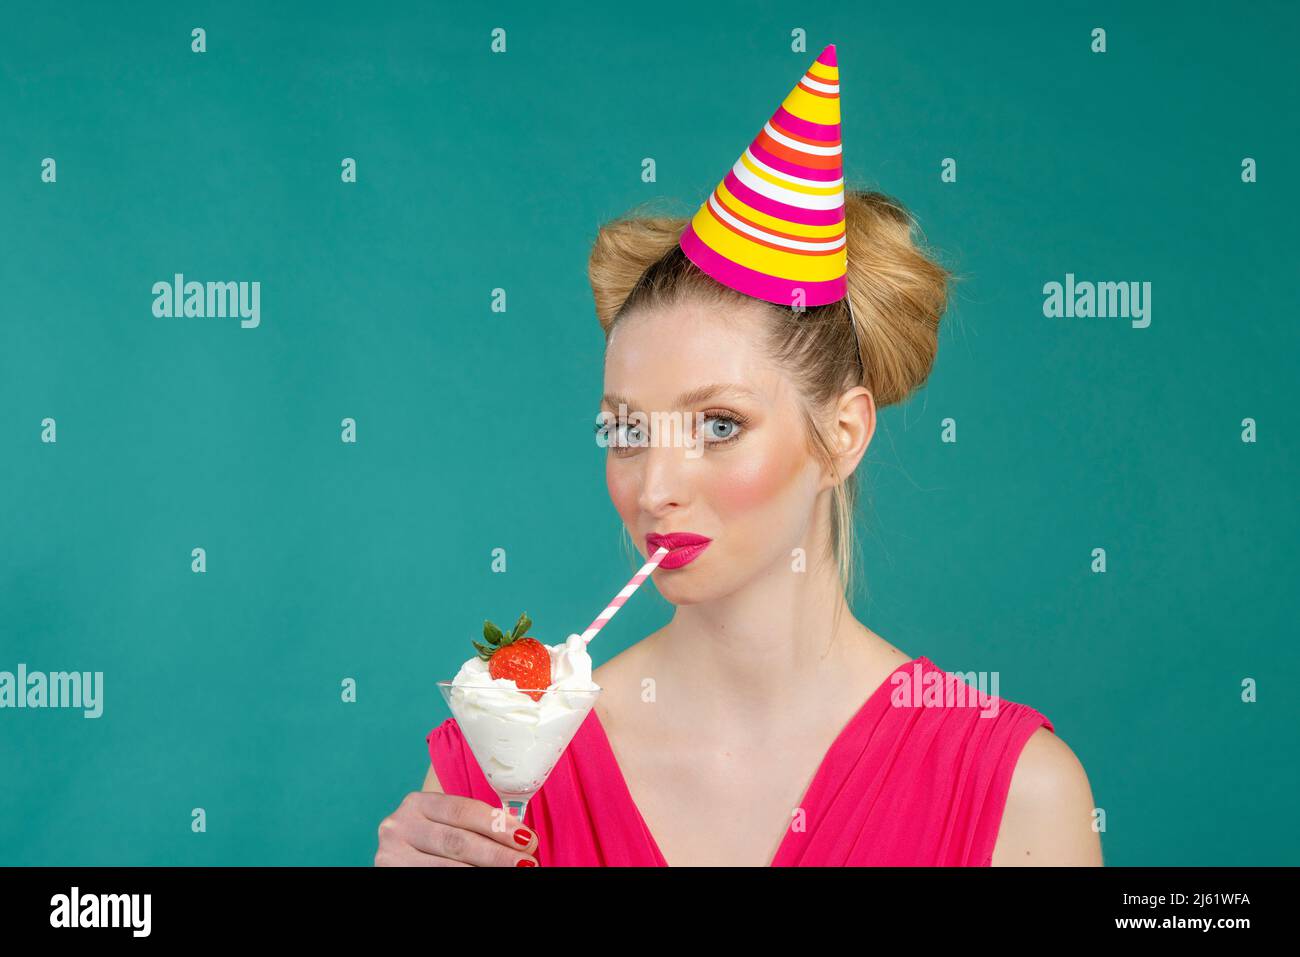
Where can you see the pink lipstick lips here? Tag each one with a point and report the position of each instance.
(685, 547)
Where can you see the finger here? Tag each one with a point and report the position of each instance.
(459, 844)
(407, 856)
(471, 814)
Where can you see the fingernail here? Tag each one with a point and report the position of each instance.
(522, 837)
(525, 862)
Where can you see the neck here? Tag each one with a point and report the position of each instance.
(758, 656)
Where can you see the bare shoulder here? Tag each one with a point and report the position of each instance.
(614, 674)
(620, 679)
(431, 782)
(1048, 819)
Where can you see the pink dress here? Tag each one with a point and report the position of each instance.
(918, 777)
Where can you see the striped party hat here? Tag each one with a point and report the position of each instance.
(775, 224)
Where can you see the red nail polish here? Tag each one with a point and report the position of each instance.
(522, 837)
(525, 862)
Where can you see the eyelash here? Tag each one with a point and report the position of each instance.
(735, 418)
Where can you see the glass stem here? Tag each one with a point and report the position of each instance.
(516, 808)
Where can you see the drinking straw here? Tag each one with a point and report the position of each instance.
(625, 594)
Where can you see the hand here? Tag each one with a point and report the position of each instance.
(431, 829)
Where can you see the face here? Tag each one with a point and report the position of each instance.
(741, 475)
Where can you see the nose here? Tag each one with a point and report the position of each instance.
(665, 479)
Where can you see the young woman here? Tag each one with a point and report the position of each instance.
(764, 724)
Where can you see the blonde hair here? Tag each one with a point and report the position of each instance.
(898, 291)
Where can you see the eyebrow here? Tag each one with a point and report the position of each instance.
(690, 397)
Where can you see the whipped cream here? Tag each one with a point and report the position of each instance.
(517, 740)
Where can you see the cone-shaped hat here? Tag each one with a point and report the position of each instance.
(774, 227)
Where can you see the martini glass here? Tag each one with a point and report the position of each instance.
(517, 741)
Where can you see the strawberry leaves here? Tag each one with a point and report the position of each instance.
(496, 640)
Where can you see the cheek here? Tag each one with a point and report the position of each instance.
(756, 479)
(623, 489)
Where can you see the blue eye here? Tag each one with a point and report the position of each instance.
(626, 436)
(727, 428)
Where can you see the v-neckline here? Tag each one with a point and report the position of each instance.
(840, 741)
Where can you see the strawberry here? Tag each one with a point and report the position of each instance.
(523, 660)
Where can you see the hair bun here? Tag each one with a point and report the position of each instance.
(899, 294)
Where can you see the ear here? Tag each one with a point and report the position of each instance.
(852, 427)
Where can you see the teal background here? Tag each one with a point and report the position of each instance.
(372, 561)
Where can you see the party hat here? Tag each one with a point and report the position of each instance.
(775, 224)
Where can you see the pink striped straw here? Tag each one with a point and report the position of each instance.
(625, 594)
